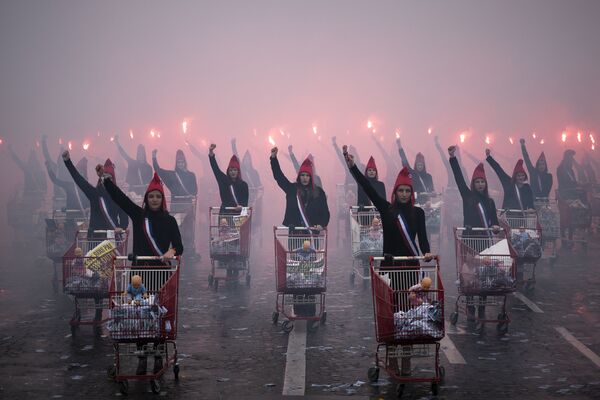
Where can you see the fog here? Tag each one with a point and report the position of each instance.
(85, 71)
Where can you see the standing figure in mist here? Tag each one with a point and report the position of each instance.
(517, 193)
(34, 182)
(422, 180)
(569, 190)
(183, 187)
(479, 209)
(76, 201)
(105, 214)
(155, 233)
(540, 178)
(306, 203)
(138, 170)
(372, 176)
(296, 165)
(60, 172)
(232, 188)
(403, 223)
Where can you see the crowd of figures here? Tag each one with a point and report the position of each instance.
(158, 207)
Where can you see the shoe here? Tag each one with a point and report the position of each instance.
(142, 366)
(158, 364)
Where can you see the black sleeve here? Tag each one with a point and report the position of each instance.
(161, 172)
(529, 198)
(195, 151)
(80, 181)
(244, 195)
(403, 158)
(527, 160)
(280, 178)
(459, 178)
(123, 153)
(494, 216)
(422, 231)
(220, 176)
(176, 237)
(121, 199)
(324, 214)
(380, 203)
(503, 176)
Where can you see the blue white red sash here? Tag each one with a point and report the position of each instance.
(237, 203)
(106, 214)
(302, 211)
(519, 197)
(148, 232)
(406, 236)
(181, 183)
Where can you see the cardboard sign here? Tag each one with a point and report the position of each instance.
(99, 259)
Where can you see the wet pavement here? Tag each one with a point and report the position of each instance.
(229, 348)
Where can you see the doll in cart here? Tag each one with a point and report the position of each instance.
(373, 240)
(417, 294)
(136, 291)
(306, 253)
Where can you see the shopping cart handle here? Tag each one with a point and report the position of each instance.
(504, 210)
(132, 257)
(468, 228)
(404, 258)
(362, 207)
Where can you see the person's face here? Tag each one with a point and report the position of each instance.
(155, 200)
(233, 172)
(541, 166)
(136, 281)
(371, 172)
(304, 179)
(479, 185)
(520, 178)
(404, 194)
(180, 163)
(420, 166)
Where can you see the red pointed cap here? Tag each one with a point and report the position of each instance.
(479, 173)
(519, 168)
(234, 162)
(156, 184)
(371, 164)
(542, 157)
(403, 178)
(307, 167)
(109, 168)
(420, 158)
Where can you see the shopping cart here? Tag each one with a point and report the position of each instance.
(575, 217)
(486, 274)
(229, 242)
(61, 229)
(594, 201)
(87, 269)
(146, 327)
(345, 196)
(301, 275)
(367, 240)
(409, 321)
(432, 203)
(183, 209)
(525, 236)
(549, 219)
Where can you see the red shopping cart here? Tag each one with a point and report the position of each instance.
(229, 241)
(143, 326)
(87, 269)
(486, 274)
(301, 275)
(524, 233)
(409, 321)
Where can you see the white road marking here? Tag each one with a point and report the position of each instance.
(534, 307)
(452, 353)
(295, 364)
(583, 349)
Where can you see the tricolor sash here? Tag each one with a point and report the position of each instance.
(106, 214)
(148, 233)
(406, 236)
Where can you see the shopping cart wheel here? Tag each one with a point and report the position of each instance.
(287, 326)
(111, 372)
(399, 389)
(155, 386)
(211, 280)
(124, 387)
(323, 317)
(176, 371)
(373, 374)
(434, 389)
(248, 278)
(454, 318)
(275, 317)
(479, 328)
